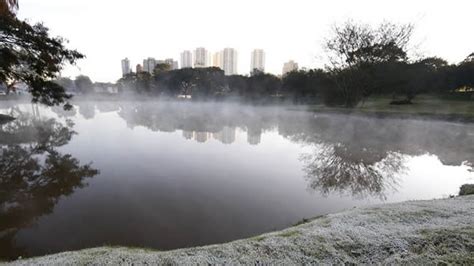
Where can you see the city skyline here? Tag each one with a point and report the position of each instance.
(225, 59)
(293, 30)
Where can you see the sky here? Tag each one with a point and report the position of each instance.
(107, 31)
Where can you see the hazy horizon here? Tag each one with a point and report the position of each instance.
(286, 31)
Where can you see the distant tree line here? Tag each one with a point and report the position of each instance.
(364, 61)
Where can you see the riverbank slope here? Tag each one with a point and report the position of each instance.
(414, 232)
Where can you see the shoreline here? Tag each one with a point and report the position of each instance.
(413, 232)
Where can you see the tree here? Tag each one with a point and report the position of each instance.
(29, 55)
(355, 52)
(8, 7)
(161, 67)
(84, 84)
(34, 175)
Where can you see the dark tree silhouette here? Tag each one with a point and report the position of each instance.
(29, 55)
(34, 175)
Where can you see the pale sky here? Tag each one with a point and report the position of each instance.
(107, 31)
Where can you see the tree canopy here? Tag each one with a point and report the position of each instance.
(29, 55)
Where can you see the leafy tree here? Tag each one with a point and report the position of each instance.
(84, 84)
(8, 7)
(66, 83)
(261, 85)
(34, 174)
(355, 52)
(28, 54)
(161, 67)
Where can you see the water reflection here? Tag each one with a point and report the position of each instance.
(33, 173)
(177, 174)
(350, 155)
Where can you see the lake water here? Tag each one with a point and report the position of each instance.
(169, 175)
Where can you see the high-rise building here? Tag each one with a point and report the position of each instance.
(186, 59)
(201, 57)
(257, 61)
(229, 61)
(139, 68)
(289, 67)
(201, 136)
(149, 64)
(217, 60)
(173, 63)
(125, 67)
(226, 135)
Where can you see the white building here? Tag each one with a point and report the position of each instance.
(289, 67)
(126, 67)
(186, 59)
(173, 63)
(217, 60)
(149, 64)
(201, 57)
(229, 61)
(257, 60)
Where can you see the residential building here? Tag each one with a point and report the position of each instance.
(125, 67)
(229, 61)
(149, 64)
(186, 59)
(201, 57)
(217, 60)
(173, 63)
(289, 67)
(226, 135)
(257, 60)
(139, 68)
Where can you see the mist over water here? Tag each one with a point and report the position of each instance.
(167, 175)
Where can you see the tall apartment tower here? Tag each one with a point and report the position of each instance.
(173, 63)
(257, 60)
(149, 64)
(229, 61)
(217, 60)
(201, 57)
(126, 67)
(186, 59)
(289, 67)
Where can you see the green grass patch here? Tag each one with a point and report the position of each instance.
(290, 233)
(258, 238)
(423, 105)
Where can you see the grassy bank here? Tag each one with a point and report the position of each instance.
(423, 106)
(416, 232)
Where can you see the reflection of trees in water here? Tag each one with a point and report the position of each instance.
(356, 155)
(335, 168)
(33, 174)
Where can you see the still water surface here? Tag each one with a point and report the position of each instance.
(170, 175)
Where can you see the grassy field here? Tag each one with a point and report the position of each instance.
(424, 105)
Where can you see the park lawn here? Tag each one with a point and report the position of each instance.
(423, 105)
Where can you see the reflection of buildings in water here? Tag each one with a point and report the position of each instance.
(226, 135)
(202, 136)
(254, 136)
(188, 134)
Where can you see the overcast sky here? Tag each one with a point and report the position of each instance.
(108, 30)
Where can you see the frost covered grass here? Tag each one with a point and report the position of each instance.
(415, 232)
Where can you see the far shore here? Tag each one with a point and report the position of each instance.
(423, 107)
(413, 232)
